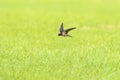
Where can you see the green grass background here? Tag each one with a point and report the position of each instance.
(31, 50)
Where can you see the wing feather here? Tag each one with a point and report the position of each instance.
(61, 28)
(67, 30)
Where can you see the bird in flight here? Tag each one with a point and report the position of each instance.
(65, 32)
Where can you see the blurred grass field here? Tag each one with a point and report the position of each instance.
(31, 50)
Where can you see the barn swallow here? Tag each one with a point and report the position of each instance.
(65, 32)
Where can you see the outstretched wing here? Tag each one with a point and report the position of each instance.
(61, 28)
(67, 30)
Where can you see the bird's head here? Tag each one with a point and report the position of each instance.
(59, 34)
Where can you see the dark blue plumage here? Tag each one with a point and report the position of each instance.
(64, 32)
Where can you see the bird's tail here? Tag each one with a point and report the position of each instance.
(69, 35)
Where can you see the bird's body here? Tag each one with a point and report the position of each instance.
(65, 32)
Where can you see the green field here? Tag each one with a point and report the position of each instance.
(31, 50)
